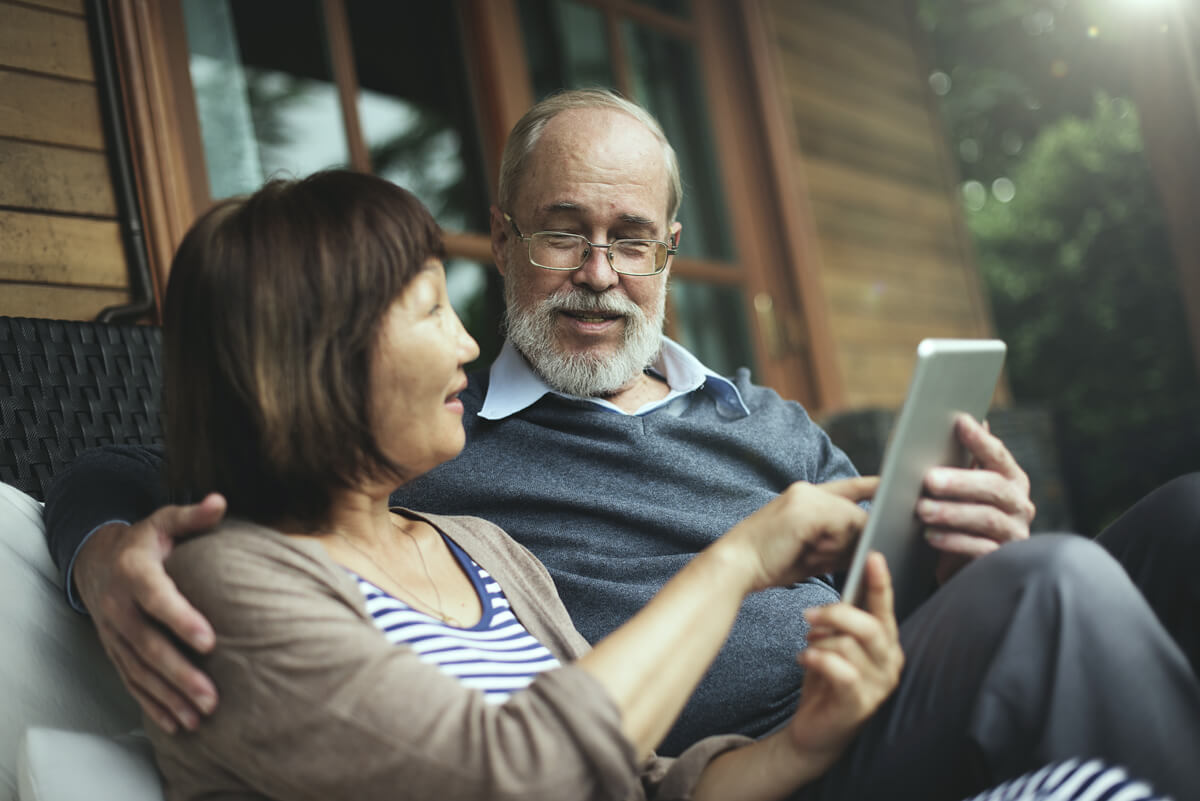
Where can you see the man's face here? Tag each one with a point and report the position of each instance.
(599, 174)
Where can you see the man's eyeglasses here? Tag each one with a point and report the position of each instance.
(554, 250)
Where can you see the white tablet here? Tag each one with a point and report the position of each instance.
(951, 376)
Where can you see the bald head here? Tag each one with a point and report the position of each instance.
(529, 130)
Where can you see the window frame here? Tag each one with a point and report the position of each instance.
(777, 267)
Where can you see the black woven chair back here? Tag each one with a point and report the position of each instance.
(67, 386)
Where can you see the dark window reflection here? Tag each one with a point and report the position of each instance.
(267, 103)
(565, 44)
(679, 8)
(667, 81)
(414, 106)
(711, 322)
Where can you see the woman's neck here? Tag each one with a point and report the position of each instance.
(359, 515)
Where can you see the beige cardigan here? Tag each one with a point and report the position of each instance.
(317, 704)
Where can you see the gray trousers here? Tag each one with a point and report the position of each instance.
(1042, 651)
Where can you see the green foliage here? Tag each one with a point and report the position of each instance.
(1084, 290)
(1077, 265)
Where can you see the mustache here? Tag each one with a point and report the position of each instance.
(579, 299)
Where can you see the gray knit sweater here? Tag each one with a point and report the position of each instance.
(614, 505)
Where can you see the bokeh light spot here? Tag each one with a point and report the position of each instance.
(1003, 189)
(974, 195)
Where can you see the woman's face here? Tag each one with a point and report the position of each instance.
(417, 373)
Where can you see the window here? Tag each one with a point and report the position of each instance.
(229, 93)
(272, 105)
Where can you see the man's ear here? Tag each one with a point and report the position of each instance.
(673, 241)
(501, 232)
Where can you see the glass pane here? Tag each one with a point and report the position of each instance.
(667, 81)
(711, 322)
(477, 295)
(565, 45)
(267, 102)
(414, 105)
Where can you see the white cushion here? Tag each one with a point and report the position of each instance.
(53, 671)
(70, 766)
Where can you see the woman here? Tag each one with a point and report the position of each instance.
(313, 363)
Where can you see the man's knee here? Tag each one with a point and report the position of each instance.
(1058, 559)
(1030, 584)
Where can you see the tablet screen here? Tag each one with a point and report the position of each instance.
(951, 376)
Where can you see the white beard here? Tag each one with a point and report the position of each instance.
(586, 375)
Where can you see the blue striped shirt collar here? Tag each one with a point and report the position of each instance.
(514, 386)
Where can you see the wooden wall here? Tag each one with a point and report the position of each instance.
(61, 253)
(870, 156)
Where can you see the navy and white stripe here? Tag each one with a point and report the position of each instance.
(1073, 780)
(496, 655)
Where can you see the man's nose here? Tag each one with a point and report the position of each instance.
(596, 273)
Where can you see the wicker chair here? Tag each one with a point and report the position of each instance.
(68, 386)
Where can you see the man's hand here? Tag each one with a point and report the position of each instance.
(972, 512)
(120, 578)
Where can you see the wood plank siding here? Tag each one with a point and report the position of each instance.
(61, 253)
(869, 155)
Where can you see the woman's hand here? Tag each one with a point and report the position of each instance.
(808, 530)
(650, 665)
(852, 664)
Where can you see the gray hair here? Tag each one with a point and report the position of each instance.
(528, 131)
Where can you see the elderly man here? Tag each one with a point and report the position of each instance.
(614, 455)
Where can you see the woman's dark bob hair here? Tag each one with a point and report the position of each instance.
(272, 312)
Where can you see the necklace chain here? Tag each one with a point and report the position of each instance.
(436, 609)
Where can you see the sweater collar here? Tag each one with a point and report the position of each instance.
(513, 385)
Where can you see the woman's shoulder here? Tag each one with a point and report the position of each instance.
(240, 562)
(243, 538)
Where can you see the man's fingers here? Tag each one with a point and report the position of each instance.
(157, 596)
(150, 707)
(860, 488)
(989, 452)
(182, 678)
(180, 521)
(980, 520)
(139, 567)
(971, 546)
(159, 699)
(977, 486)
(140, 615)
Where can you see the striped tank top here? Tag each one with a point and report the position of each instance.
(496, 655)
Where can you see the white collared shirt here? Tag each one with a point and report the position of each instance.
(514, 386)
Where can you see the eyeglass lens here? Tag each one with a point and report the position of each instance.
(569, 251)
